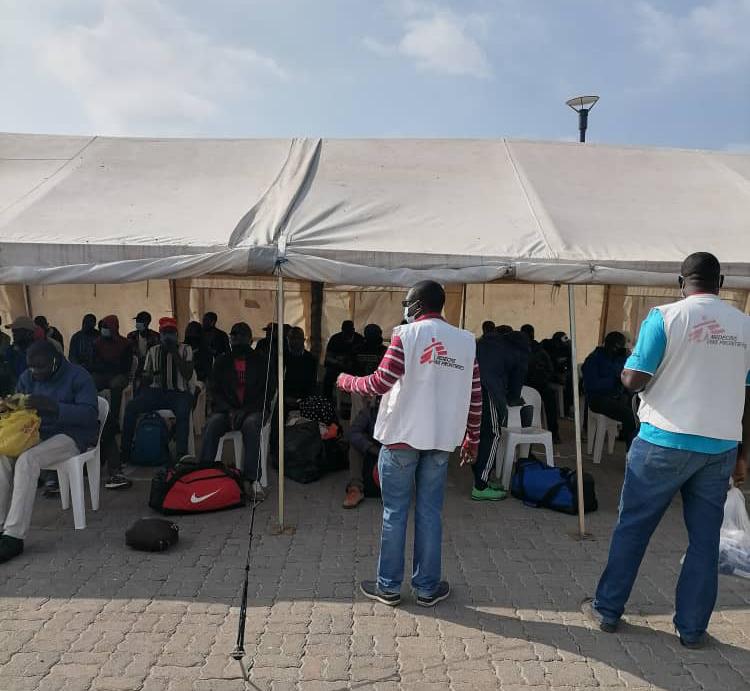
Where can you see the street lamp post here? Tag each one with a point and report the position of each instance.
(582, 105)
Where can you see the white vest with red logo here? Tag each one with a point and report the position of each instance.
(429, 406)
(699, 387)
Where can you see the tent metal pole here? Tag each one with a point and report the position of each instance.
(280, 388)
(463, 308)
(576, 409)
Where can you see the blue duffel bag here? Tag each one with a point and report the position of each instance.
(538, 485)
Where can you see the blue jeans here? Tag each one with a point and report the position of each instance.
(400, 470)
(654, 474)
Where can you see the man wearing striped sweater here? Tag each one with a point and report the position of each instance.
(432, 404)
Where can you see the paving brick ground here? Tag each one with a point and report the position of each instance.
(80, 611)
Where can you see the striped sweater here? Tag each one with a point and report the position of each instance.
(392, 368)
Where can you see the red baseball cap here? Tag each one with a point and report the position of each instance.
(167, 323)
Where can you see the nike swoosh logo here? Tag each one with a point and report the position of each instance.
(198, 500)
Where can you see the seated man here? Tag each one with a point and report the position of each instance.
(82, 343)
(300, 368)
(216, 339)
(50, 333)
(601, 382)
(165, 386)
(64, 395)
(143, 338)
(539, 376)
(240, 402)
(362, 443)
(13, 359)
(113, 360)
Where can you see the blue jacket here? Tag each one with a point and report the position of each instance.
(74, 390)
(501, 368)
(601, 374)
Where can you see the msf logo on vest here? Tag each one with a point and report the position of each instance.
(710, 332)
(437, 354)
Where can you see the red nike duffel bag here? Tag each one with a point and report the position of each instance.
(196, 489)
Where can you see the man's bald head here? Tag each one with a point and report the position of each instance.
(425, 297)
(701, 273)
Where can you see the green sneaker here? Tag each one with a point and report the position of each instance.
(496, 485)
(487, 494)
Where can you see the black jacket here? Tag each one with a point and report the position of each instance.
(501, 368)
(223, 384)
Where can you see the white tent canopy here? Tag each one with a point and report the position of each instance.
(366, 212)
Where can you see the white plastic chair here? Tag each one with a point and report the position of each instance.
(239, 450)
(599, 427)
(70, 475)
(514, 437)
(533, 398)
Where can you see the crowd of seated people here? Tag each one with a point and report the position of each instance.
(165, 373)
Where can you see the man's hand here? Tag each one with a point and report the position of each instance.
(467, 457)
(44, 405)
(740, 469)
(236, 418)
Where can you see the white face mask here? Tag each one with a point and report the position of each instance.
(408, 318)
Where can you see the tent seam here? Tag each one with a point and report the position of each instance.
(51, 177)
(526, 196)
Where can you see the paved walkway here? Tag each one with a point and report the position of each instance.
(79, 610)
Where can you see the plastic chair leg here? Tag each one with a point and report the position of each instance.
(239, 453)
(549, 454)
(62, 479)
(601, 432)
(611, 438)
(265, 450)
(93, 467)
(509, 458)
(590, 432)
(77, 498)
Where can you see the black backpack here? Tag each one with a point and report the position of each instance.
(152, 535)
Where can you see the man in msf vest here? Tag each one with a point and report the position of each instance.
(691, 366)
(432, 404)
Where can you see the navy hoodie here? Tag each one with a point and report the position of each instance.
(74, 390)
(601, 374)
(501, 368)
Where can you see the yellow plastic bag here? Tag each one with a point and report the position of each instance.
(19, 431)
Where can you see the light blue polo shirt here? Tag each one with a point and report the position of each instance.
(646, 357)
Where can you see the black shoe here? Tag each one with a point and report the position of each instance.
(51, 489)
(587, 607)
(698, 644)
(117, 482)
(9, 547)
(370, 589)
(442, 592)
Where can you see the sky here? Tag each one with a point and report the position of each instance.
(669, 72)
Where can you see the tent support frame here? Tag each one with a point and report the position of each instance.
(576, 410)
(280, 387)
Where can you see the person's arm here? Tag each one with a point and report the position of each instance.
(643, 362)
(185, 364)
(380, 382)
(149, 369)
(470, 447)
(85, 407)
(219, 402)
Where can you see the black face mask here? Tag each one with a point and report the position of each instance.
(23, 341)
(241, 349)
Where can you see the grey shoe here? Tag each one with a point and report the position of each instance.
(587, 607)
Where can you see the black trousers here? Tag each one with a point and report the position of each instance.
(218, 425)
(494, 416)
(618, 408)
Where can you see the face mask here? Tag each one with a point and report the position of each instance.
(106, 333)
(140, 327)
(169, 339)
(241, 349)
(408, 318)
